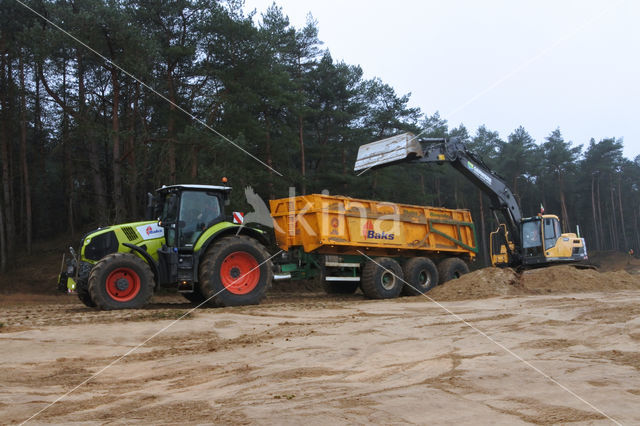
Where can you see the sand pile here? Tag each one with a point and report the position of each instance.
(492, 282)
(566, 279)
(607, 261)
(487, 282)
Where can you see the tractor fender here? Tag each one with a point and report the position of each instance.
(147, 257)
(224, 231)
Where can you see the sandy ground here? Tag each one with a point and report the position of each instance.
(314, 359)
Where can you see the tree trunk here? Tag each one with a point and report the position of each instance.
(622, 224)
(3, 142)
(344, 169)
(194, 161)
(614, 222)
(99, 192)
(635, 225)
(23, 158)
(594, 212)
(5, 157)
(171, 127)
(131, 156)
(566, 226)
(483, 232)
(68, 162)
(303, 171)
(269, 158)
(115, 138)
(599, 204)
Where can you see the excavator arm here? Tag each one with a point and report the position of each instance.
(507, 245)
(406, 148)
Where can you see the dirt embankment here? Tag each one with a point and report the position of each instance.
(491, 282)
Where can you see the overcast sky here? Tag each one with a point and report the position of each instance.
(540, 64)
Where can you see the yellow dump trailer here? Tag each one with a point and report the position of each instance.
(385, 241)
(335, 224)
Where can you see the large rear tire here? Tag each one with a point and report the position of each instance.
(452, 268)
(382, 278)
(421, 275)
(121, 281)
(235, 271)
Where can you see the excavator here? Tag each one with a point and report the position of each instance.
(519, 242)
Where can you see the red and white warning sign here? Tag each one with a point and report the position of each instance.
(238, 217)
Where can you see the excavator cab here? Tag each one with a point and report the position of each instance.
(543, 243)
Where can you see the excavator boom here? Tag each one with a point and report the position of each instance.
(406, 147)
(517, 241)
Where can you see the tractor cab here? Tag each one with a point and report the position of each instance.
(186, 211)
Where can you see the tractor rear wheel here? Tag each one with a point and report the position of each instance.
(82, 288)
(235, 271)
(421, 275)
(382, 278)
(121, 281)
(452, 268)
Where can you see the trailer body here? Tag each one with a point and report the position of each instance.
(338, 225)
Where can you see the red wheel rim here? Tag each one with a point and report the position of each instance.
(123, 284)
(239, 272)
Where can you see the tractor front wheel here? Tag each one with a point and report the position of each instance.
(121, 281)
(235, 271)
(82, 288)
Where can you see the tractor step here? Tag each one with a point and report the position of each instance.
(342, 278)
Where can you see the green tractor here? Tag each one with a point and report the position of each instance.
(193, 247)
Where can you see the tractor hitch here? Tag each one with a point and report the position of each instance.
(72, 271)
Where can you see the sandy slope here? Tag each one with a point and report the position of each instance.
(313, 359)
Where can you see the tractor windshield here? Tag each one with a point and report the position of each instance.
(198, 211)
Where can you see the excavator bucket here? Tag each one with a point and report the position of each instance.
(385, 151)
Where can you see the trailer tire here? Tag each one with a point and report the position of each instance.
(452, 268)
(340, 287)
(382, 278)
(235, 271)
(82, 288)
(121, 281)
(420, 274)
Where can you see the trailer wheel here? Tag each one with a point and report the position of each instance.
(121, 281)
(82, 288)
(452, 268)
(421, 275)
(382, 278)
(235, 271)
